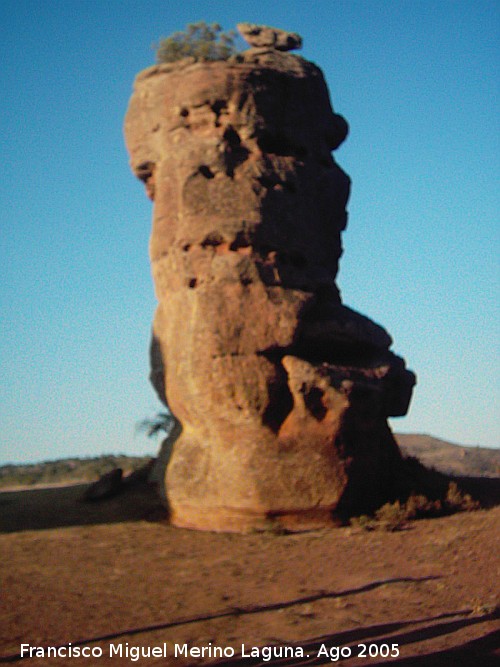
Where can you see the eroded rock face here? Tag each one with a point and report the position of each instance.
(281, 392)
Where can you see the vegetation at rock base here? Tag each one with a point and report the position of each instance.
(200, 40)
(396, 515)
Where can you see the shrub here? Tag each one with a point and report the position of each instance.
(364, 522)
(456, 501)
(395, 516)
(391, 516)
(420, 507)
(200, 40)
(162, 422)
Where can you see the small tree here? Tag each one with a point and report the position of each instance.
(162, 422)
(200, 40)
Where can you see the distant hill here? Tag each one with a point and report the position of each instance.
(450, 458)
(433, 453)
(51, 473)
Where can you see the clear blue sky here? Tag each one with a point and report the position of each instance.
(418, 82)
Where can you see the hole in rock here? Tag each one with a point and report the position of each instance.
(206, 171)
(184, 112)
(212, 239)
(192, 283)
(145, 170)
(217, 107)
(280, 400)
(234, 151)
(313, 402)
(242, 240)
(231, 137)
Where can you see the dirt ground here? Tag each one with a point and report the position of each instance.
(114, 576)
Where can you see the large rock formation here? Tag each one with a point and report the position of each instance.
(281, 393)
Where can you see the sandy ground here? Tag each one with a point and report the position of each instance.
(115, 574)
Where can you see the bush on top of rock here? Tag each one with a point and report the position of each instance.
(200, 40)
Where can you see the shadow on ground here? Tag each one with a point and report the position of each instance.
(481, 651)
(323, 650)
(62, 506)
(58, 507)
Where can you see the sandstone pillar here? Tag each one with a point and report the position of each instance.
(280, 391)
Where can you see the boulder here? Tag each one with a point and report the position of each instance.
(280, 392)
(265, 36)
(107, 486)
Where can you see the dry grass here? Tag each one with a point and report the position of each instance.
(397, 515)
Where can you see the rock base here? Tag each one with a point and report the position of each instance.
(219, 520)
